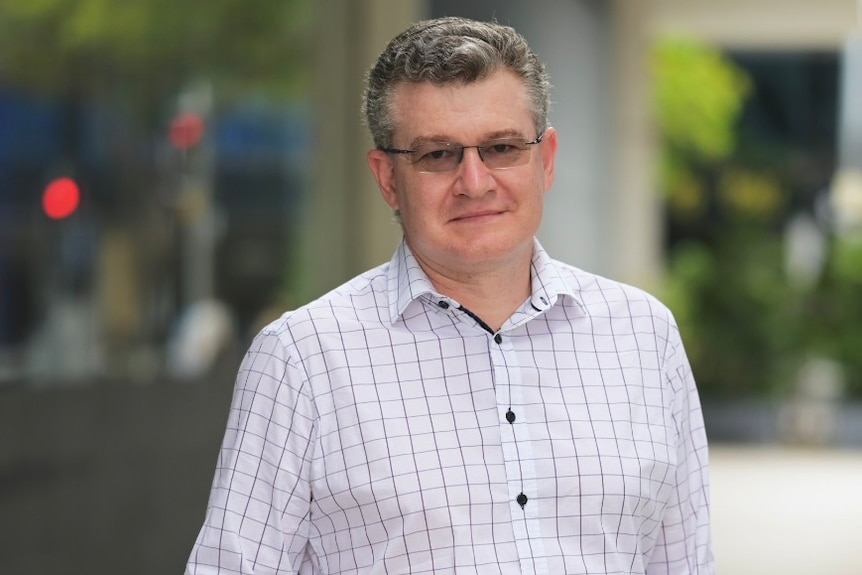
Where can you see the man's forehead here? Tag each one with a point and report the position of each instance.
(493, 107)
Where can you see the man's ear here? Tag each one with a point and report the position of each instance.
(549, 155)
(383, 168)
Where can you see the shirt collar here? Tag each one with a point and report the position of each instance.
(549, 282)
(408, 282)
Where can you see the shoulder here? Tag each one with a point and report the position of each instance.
(626, 312)
(602, 297)
(363, 299)
(598, 291)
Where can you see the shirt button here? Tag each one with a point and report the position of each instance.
(443, 304)
(498, 338)
(522, 500)
(510, 416)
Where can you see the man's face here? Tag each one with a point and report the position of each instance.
(472, 218)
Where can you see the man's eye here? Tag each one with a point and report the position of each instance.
(501, 149)
(435, 155)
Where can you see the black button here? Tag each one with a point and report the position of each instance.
(510, 417)
(498, 338)
(443, 304)
(522, 500)
(544, 301)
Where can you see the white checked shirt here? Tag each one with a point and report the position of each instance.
(382, 429)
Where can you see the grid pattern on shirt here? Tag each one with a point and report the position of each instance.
(369, 434)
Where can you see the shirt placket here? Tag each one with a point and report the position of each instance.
(518, 454)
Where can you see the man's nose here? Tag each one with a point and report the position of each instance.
(474, 177)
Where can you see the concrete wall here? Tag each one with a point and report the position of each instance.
(348, 228)
(111, 478)
(759, 24)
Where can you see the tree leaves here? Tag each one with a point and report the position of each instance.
(63, 45)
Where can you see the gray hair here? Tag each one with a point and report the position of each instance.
(450, 51)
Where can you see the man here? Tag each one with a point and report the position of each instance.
(473, 406)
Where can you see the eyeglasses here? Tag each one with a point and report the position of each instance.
(499, 154)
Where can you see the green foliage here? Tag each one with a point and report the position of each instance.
(748, 328)
(151, 47)
(698, 96)
(747, 325)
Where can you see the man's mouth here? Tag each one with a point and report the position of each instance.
(478, 215)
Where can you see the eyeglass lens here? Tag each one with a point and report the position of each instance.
(445, 157)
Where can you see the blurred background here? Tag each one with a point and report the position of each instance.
(173, 175)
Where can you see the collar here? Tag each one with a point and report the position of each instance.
(549, 282)
(407, 282)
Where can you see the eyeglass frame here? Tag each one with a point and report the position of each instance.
(460, 149)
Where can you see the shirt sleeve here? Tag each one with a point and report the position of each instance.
(684, 543)
(257, 518)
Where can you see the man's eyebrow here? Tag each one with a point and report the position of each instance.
(442, 139)
(504, 134)
(432, 139)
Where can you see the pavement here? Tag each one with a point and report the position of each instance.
(786, 510)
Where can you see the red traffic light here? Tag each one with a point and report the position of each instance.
(186, 130)
(61, 198)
